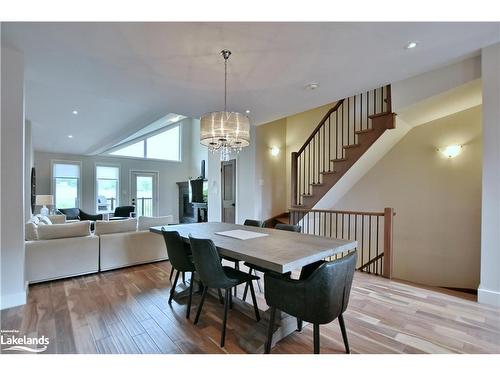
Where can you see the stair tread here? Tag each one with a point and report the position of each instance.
(339, 159)
(352, 146)
(328, 172)
(363, 131)
(317, 184)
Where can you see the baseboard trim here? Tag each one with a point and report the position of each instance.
(490, 297)
(13, 300)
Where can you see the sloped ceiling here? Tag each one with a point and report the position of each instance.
(123, 76)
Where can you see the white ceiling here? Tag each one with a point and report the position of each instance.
(122, 76)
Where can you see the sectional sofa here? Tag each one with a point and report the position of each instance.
(59, 250)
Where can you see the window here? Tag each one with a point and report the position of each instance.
(107, 187)
(135, 150)
(66, 184)
(165, 145)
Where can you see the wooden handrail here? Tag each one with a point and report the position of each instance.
(321, 123)
(343, 134)
(388, 242)
(367, 213)
(374, 232)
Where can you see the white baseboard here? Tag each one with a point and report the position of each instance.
(490, 297)
(12, 300)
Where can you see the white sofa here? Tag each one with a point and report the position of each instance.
(61, 250)
(65, 250)
(121, 246)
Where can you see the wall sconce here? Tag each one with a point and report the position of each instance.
(275, 151)
(451, 151)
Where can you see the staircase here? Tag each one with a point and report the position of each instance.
(344, 134)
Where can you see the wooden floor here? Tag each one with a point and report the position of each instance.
(126, 311)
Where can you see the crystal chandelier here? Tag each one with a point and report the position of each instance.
(225, 131)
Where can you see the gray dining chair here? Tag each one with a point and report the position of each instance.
(319, 296)
(213, 275)
(181, 261)
(252, 268)
(253, 223)
(288, 227)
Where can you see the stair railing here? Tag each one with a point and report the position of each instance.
(337, 130)
(372, 230)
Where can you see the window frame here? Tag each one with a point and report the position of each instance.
(52, 179)
(105, 164)
(145, 144)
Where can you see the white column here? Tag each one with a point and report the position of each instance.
(28, 164)
(13, 290)
(489, 288)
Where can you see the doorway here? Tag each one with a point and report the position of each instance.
(228, 191)
(144, 192)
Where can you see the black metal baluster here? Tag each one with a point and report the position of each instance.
(337, 132)
(367, 108)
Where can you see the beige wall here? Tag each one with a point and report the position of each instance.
(270, 170)
(273, 173)
(437, 201)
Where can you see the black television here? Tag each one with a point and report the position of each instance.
(199, 190)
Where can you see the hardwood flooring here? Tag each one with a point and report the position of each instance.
(126, 311)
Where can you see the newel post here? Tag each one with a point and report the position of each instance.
(293, 191)
(388, 241)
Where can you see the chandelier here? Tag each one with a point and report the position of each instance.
(225, 131)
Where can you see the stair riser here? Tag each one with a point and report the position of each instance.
(379, 125)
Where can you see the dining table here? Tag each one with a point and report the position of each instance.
(275, 250)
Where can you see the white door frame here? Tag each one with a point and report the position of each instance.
(156, 182)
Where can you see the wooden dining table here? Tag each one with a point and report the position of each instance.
(279, 251)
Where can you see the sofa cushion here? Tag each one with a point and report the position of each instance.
(57, 219)
(30, 231)
(54, 231)
(106, 227)
(43, 219)
(145, 222)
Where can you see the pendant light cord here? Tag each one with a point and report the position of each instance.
(225, 83)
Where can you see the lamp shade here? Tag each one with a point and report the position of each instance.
(230, 129)
(44, 200)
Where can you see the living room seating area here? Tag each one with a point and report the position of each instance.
(66, 249)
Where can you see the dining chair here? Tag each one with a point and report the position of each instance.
(253, 223)
(319, 296)
(288, 227)
(252, 268)
(213, 275)
(250, 223)
(181, 261)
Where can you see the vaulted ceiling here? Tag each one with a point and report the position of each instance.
(123, 76)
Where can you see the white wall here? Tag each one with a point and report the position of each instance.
(169, 172)
(489, 289)
(437, 201)
(13, 290)
(423, 86)
(246, 204)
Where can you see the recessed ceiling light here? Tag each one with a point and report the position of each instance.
(411, 45)
(312, 86)
(70, 136)
(75, 112)
(247, 111)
